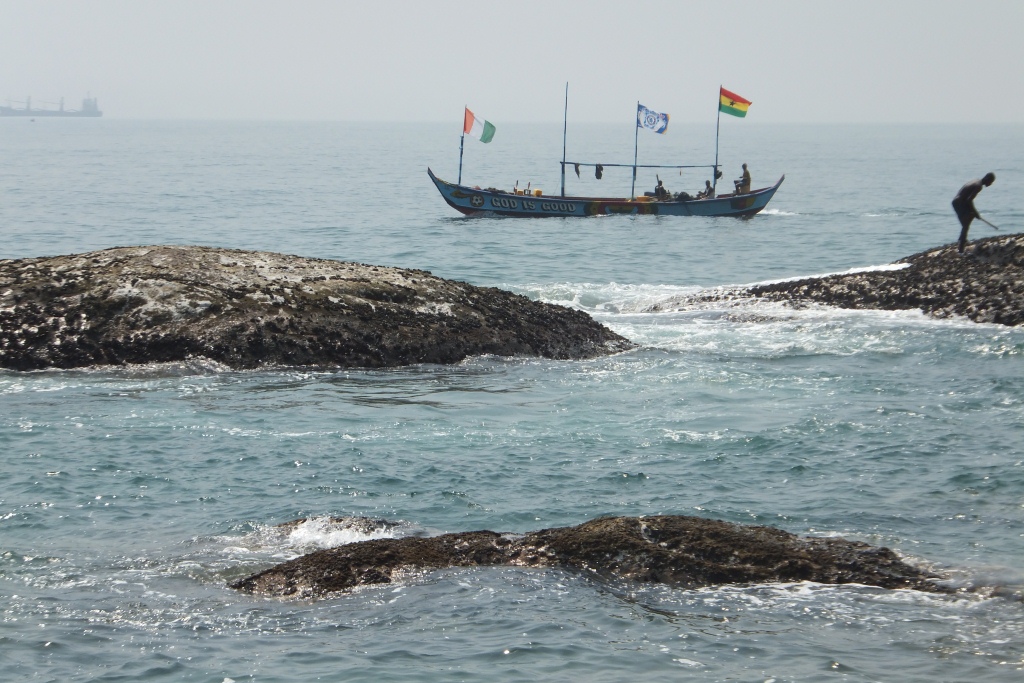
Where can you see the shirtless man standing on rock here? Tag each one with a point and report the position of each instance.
(963, 204)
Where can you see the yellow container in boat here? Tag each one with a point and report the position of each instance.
(537, 193)
(518, 191)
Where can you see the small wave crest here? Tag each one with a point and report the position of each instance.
(301, 536)
(611, 297)
(852, 271)
(330, 532)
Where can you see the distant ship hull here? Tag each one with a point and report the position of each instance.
(11, 111)
(90, 108)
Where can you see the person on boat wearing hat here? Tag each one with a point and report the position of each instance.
(963, 205)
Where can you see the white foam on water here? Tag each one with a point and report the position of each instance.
(611, 297)
(324, 532)
(276, 543)
(769, 329)
(617, 298)
(688, 662)
(745, 326)
(688, 436)
(883, 268)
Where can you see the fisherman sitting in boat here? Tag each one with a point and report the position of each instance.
(659, 190)
(743, 183)
(708, 192)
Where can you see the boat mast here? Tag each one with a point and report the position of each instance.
(462, 141)
(565, 129)
(718, 125)
(636, 140)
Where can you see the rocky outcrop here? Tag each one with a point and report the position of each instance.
(985, 284)
(681, 551)
(248, 309)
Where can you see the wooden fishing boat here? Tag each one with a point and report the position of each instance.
(744, 202)
(491, 201)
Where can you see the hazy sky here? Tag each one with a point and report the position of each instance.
(799, 61)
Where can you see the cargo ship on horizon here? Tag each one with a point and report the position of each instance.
(90, 108)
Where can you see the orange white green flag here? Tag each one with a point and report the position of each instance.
(477, 127)
(731, 103)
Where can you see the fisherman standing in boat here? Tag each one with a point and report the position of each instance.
(963, 204)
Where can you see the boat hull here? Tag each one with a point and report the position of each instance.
(475, 201)
(10, 111)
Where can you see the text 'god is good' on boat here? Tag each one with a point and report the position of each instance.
(742, 202)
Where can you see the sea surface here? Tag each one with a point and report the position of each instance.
(130, 497)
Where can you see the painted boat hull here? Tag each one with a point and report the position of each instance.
(474, 201)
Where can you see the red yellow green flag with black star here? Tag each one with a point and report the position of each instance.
(731, 103)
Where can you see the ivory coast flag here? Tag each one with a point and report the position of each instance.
(478, 128)
(731, 103)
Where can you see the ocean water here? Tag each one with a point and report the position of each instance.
(130, 497)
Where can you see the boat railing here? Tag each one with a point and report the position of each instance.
(587, 163)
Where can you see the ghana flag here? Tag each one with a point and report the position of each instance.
(731, 103)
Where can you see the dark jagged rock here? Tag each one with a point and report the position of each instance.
(680, 551)
(248, 309)
(985, 284)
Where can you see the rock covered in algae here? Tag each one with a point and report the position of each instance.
(984, 284)
(248, 309)
(680, 551)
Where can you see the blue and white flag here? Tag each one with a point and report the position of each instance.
(652, 120)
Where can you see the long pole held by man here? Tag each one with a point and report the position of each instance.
(963, 205)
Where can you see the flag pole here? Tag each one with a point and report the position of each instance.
(462, 141)
(565, 130)
(636, 140)
(718, 126)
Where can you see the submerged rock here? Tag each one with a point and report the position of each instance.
(681, 551)
(247, 309)
(984, 284)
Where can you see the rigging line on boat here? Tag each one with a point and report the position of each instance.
(580, 163)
